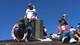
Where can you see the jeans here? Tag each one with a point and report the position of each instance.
(68, 34)
(29, 34)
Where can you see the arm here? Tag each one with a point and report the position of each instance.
(58, 30)
(78, 31)
(13, 31)
(68, 28)
(26, 14)
(25, 34)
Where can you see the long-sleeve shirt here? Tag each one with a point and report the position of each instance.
(16, 27)
(66, 28)
(13, 30)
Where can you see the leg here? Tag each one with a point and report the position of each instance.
(62, 35)
(77, 36)
(72, 38)
(29, 34)
(71, 34)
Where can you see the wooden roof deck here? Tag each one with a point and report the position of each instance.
(11, 42)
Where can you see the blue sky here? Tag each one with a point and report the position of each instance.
(49, 11)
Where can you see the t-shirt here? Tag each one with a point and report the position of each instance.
(30, 13)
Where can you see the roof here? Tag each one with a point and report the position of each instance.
(12, 42)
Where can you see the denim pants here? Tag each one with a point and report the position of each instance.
(68, 34)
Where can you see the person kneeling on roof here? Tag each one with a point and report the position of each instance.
(18, 32)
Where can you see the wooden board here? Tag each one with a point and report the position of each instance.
(10, 42)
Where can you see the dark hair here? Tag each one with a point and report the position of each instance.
(71, 26)
(30, 4)
(43, 26)
(21, 20)
(65, 22)
(78, 23)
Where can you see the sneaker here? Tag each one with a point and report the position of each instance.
(26, 40)
(64, 38)
(47, 39)
(55, 36)
(79, 39)
(72, 40)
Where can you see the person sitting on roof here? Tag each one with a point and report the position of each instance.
(64, 30)
(30, 12)
(29, 29)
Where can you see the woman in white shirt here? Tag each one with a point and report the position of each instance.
(30, 13)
